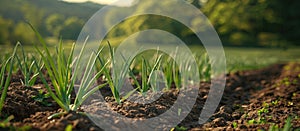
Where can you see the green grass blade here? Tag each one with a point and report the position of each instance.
(95, 77)
(7, 81)
(287, 125)
(136, 82)
(144, 76)
(50, 73)
(89, 93)
(155, 67)
(128, 94)
(52, 70)
(54, 97)
(85, 78)
(2, 72)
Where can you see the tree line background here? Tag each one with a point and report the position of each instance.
(251, 23)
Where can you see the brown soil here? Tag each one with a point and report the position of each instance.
(252, 100)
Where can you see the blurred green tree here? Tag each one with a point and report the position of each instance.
(33, 15)
(255, 22)
(54, 24)
(5, 29)
(71, 28)
(23, 33)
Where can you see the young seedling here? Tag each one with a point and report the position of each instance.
(118, 76)
(287, 126)
(168, 71)
(154, 77)
(41, 98)
(235, 125)
(176, 75)
(204, 67)
(106, 72)
(6, 69)
(176, 71)
(251, 122)
(288, 123)
(263, 110)
(274, 103)
(179, 128)
(6, 125)
(64, 72)
(27, 69)
(148, 76)
(144, 76)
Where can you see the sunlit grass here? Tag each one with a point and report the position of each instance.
(6, 69)
(64, 71)
(26, 66)
(236, 58)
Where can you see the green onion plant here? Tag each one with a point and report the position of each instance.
(204, 67)
(168, 72)
(176, 75)
(176, 70)
(154, 77)
(116, 78)
(107, 73)
(64, 72)
(149, 78)
(26, 66)
(5, 76)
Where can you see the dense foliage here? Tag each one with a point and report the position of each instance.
(52, 18)
(255, 22)
(239, 23)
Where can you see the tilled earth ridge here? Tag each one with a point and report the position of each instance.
(252, 100)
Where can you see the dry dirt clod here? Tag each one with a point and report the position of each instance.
(219, 122)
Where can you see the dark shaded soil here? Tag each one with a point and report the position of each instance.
(252, 100)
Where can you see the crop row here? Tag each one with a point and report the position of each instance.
(66, 73)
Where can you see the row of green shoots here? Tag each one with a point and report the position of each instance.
(62, 73)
